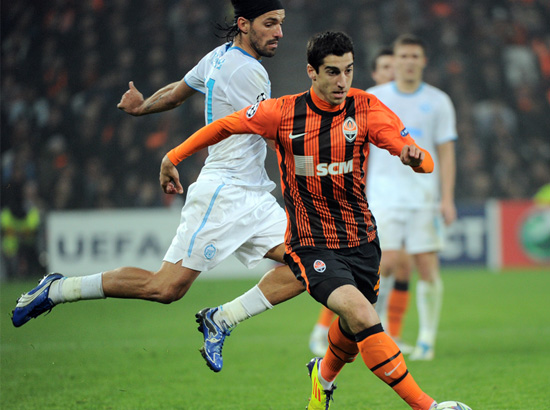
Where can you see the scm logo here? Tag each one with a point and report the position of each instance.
(335, 168)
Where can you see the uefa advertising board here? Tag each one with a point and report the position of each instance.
(498, 234)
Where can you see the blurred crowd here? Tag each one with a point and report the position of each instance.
(66, 63)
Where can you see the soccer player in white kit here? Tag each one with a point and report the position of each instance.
(228, 210)
(411, 209)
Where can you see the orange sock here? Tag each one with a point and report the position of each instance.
(397, 306)
(325, 317)
(342, 349)
(383, 358)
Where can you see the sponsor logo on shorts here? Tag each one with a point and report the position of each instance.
(319, 266)
(252, 110)
(404, 132)
(209, 251)
(350, 129)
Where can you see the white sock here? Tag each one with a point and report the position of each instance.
(386, 285)
(321, 330)
(326, 385)
(76, 288)
(429, 298)
(245, 306)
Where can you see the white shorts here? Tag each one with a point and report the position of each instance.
(415, 230)
(218, 220)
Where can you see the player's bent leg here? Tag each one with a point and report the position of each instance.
(276, 286)
(378, 350)
(170, 283)
(280, 284)
(355, 311)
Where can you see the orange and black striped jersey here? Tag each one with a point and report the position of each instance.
(321, 152)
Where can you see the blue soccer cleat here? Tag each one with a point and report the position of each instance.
(214, 336)
(35, 302)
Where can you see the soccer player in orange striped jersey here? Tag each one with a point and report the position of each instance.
(321, 138)
(382, 72)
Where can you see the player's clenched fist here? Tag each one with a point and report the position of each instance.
(412, 155)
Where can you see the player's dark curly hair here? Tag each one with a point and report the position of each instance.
(230, 31)
(323, 44)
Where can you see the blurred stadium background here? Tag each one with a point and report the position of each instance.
(73, 165)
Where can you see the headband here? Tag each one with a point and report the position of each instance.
(250, 9)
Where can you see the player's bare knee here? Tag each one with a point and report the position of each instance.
(168, 291)
(172, 292)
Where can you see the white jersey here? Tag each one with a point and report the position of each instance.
(229, 210)
(429, 116)
(232, 79)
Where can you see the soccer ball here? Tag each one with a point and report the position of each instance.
(451, 405)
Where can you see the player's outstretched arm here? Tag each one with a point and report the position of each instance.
(167, 98)
(420, 160)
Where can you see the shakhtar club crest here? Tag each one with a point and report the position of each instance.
(319, 265)
(350, 129)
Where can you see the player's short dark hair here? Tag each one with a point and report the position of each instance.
(328, 43)
(409, 39)
(386, 51)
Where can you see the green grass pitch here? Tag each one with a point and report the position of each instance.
(493, 352)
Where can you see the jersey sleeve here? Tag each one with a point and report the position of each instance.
(386, 131)
(195, 77)
(262, 118)
(248, 85)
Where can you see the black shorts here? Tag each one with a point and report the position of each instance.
(323, 270)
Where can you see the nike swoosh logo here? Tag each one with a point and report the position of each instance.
(388, 374)
(292, 136)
